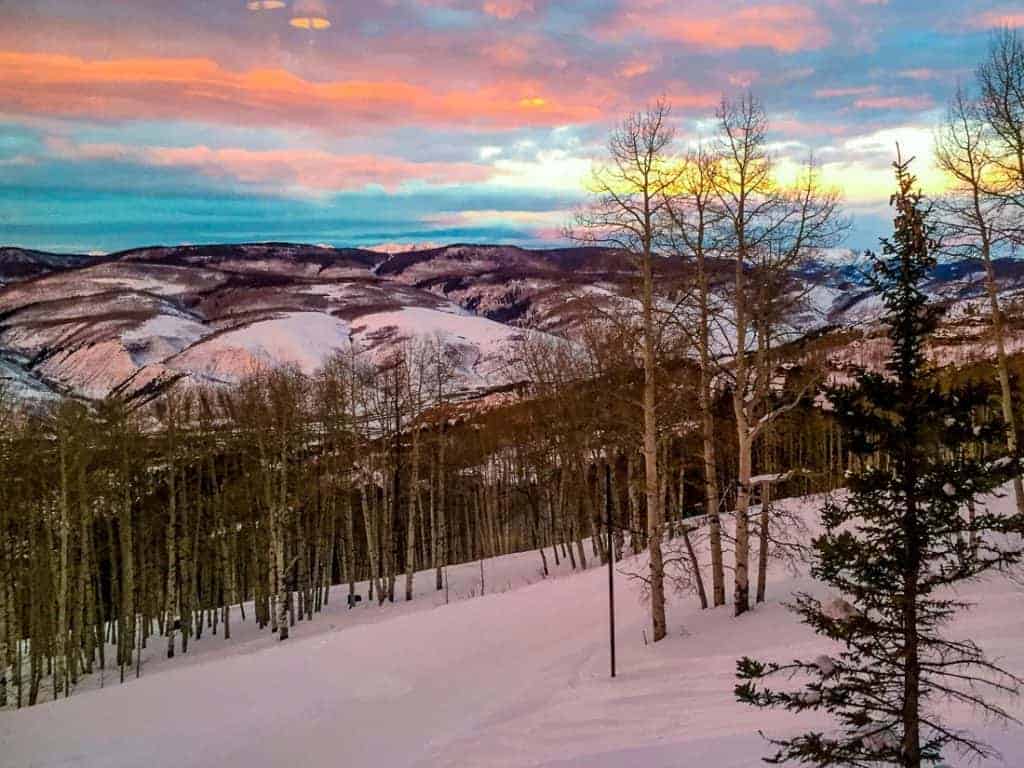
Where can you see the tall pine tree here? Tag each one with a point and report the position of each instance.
(910, 528)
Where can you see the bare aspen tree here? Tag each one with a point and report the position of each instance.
(64, 419)
(121, 433)
(629, 197)
(416, 359)
(743, 182)
(1001, 82)
(974, 224)
(442, 371)
(694, 224)
(170, 430)
(767, 231)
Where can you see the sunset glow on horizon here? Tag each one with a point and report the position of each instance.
(355, 123)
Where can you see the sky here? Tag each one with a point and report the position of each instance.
(359, 122)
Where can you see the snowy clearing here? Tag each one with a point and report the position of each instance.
(516, 678)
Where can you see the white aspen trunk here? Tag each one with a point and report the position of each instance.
(744, 443)
(171, 613)
(708, 435)
(579, 532)
(270, 598)
(127, 634)
(442, 512)
(388, 539)
(564, 527)
(664, 492)
(432, 502)
(681, 490)
(62, 589)
(227, 570)
(635, 537)
(741, 593)
(350, 544)
(370, 526)
(281, 587)
(88, 616)
(762, 553)
(278, 527)
(412, 522)
(549, 520)
(654, 501)
(327, 577)
(495, 518)
(618, 536)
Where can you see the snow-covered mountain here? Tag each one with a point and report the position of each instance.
(131, 321)
(215, 313)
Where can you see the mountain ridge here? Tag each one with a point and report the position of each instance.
(131, 321)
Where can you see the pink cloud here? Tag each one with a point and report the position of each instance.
(313, 170)
(894, 102)
(831, 93)
(635, 69)
(999, 18)
(156, 88)
(744, 78)
(499, 9)
(799, 129)
(786, 27)
(919, 74)
(508, 9)
(508, 53)
(681, 96)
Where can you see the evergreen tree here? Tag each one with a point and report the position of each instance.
(896, 546)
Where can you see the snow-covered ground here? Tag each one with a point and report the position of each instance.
(516, 678)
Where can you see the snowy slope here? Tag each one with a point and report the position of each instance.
(301, 339)
(483, 349)
(215, 314)
(516, 678)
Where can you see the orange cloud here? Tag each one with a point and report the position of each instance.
(782, 26)
(313, 170)
(152, 88)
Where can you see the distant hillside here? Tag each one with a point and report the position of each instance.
(133, 321)
(17, 264)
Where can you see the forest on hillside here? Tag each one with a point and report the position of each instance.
(144, 525)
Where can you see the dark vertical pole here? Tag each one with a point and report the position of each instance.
(611, 561)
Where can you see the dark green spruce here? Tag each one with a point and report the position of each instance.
(910, 529)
